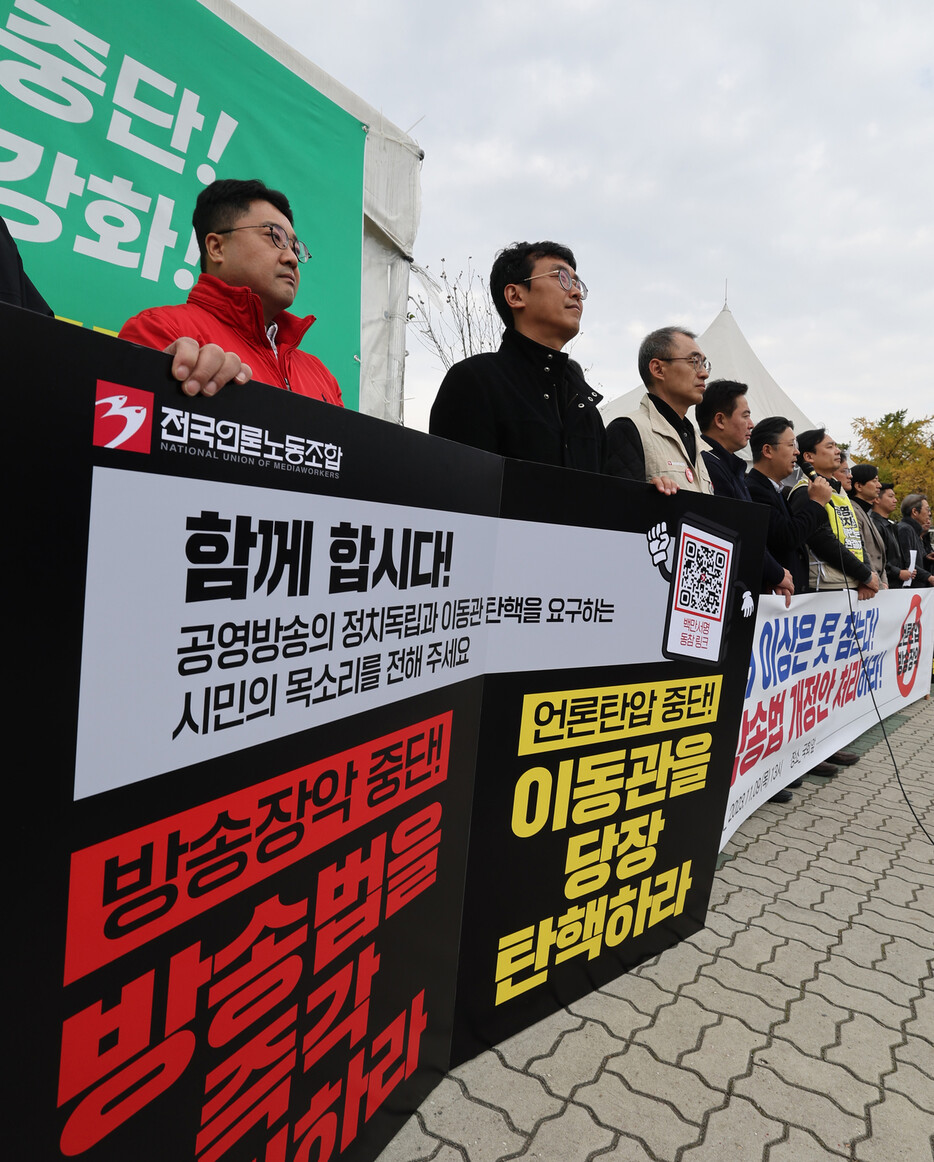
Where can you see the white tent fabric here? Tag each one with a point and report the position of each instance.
(391, 209)
(731, 357)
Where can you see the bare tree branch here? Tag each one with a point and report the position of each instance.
(454, 317)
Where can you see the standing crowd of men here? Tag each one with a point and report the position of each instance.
(829, 529)
(530, 400)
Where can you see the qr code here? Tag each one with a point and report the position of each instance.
(702, 577)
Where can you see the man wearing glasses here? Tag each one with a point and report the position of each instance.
(658, 443)
(528, 399)
(774, 455)
(238, 307)
(844, 474)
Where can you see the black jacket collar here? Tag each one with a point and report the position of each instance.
(559, 363)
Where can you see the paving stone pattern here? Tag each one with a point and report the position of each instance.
(798, 1026)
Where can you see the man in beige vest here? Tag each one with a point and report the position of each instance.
(658, 443)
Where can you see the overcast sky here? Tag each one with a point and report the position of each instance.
(785, 146)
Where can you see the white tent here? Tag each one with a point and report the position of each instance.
(731, 357)
(391, 207)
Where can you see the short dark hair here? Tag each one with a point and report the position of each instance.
(221, 203)
(807, 442)
(886, 487)
(912, 501)
(514, 264)
(863, 473)
(720, 395)
(657, 345)
(768, 431)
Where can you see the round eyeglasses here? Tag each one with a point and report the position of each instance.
(565, 278)
(279, 237)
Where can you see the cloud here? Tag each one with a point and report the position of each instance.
(673, 145)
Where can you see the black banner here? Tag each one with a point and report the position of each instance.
(598, 789)
(270, 655)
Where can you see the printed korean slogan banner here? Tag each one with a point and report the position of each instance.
(821, 673)
(263, 646)
(247, 685)
(109, 128)
(603, 766)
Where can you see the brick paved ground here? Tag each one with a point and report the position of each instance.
(797, 1026)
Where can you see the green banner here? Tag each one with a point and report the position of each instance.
(111, 121)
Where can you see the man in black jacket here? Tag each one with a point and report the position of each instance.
(725, 421)
(774, 454)
(774, 448)
(916, 519)
(528, 399)
(882, 508)
(15, 285)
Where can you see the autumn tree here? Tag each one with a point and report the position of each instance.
(902, 450)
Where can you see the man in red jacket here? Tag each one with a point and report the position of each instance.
(250, 273)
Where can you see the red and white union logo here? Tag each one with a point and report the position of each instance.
(122, 417)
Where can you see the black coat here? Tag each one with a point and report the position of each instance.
(15, 286)
(525, 401)
(823, 542)
(893, 552)
(908, 532)
(788, 531)
(728, 476)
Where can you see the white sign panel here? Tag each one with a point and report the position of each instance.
(821, 673)
(219, 616)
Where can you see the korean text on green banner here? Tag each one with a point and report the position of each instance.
(111, 122)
